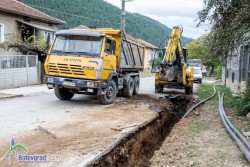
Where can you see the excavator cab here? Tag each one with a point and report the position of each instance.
(157, 60)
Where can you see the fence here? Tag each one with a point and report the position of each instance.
(18, 71)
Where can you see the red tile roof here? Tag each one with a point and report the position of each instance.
(142, 42)
(13, 6)
(147, 44)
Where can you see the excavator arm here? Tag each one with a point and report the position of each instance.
(174, 44)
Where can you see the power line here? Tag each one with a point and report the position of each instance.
(74, 15)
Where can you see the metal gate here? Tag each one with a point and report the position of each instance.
(18, 71)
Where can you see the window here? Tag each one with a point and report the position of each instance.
(233, 77)
(110, 46)
(197, 71)
(1, 32)
(78, 45)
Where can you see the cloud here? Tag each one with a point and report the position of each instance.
(169, 12)
(188, 23)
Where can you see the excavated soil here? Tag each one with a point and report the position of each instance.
(137, 147)
(123, 134)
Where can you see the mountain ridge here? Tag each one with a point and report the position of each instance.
(80, 12)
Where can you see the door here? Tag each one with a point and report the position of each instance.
(109, 58)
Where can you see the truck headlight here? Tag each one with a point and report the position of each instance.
(50, 80)
(90, 84)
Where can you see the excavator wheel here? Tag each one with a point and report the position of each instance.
(159, 88)
(189, 90)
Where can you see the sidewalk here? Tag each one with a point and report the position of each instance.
(24, 91)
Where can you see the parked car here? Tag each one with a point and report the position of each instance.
(197, 74)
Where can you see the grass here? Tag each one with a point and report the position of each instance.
(197, 127)
(232, 104)
(230, 101)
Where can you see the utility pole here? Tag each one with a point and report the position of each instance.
(123, 17)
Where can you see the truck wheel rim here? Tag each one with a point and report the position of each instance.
(110, 92)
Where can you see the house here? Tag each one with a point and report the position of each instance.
(18, 17)
(149, 50)
(236, 70)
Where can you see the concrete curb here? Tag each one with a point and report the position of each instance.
(8, 96)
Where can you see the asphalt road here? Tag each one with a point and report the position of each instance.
(26, 113)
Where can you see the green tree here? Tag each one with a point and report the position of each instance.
(230, 22)
(201, 48)
(196, 50)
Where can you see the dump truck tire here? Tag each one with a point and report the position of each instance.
(189, 90)
(110, 95)
(158, 88)
(136, 85)
(129, 88)
(63, 93)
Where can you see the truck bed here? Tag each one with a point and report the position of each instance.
(132, 56)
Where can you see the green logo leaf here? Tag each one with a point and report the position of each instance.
(14, 149)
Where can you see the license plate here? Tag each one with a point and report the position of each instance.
(50, 86)
(90, 90)
(66, 83)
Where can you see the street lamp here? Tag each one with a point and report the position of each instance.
(123, 18)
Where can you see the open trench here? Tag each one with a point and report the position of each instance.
(136, 147)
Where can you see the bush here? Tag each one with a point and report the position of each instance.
(218, 72)
(245, 102)
(29, 45)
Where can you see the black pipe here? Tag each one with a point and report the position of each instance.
(242, 138)
(242, 147)
(200, 103)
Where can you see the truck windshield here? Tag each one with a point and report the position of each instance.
(197, 71)
(77, 45)
(194, 63)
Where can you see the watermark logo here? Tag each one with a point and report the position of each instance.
(15, 148)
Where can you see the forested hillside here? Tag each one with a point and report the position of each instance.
(102, 14)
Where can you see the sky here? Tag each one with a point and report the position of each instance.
(170, 12)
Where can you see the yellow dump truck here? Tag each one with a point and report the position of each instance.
(94, 62)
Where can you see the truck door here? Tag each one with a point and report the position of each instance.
(109, 59)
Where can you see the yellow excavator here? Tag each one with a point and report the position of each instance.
(170, 65)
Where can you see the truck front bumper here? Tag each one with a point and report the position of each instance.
(78, 84)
